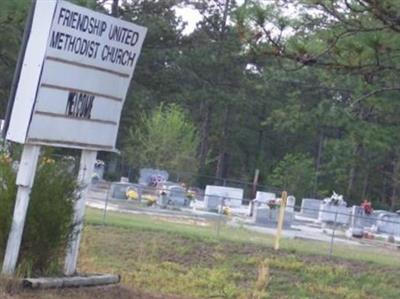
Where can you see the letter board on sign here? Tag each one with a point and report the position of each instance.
(77, 68)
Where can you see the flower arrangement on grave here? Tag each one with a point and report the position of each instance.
(99, 163)
(150, 199)
(335, 200)
(190, 195)
(132, 194)
(367, 207)
(226, 211)
(273, 204)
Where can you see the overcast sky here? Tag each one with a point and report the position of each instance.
(190, 16)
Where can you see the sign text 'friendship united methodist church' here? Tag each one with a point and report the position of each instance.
(77, 68)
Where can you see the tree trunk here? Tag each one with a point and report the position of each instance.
(204, 135)
(114, 8)
(383, 191)
(222, 156)
(225, 18)
(318, 160)
(351, 180)
(396, 183)
(352, 173)
(365, 185)
(260, 139)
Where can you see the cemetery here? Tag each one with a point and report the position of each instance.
(312, 218)
(192, 149)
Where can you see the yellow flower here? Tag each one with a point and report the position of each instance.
(5, 158)
(48, 161)
(226, 211)
(132, 194)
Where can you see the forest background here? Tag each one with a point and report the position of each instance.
(306, 91)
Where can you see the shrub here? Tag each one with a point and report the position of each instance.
(167, 139)
(49, 219)
(8, 191)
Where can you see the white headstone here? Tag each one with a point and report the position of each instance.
(217, 195)
(389, 223)
(264, 197)
(291, 203)
(331, 213)
(310, 207)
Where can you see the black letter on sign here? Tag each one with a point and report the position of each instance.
(79, 105)
(70, 103)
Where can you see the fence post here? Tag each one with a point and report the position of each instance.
(282, 209)
(221, 212)
(333, 235)
(106, 205)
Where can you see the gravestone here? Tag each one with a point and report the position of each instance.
(291, 203)
(211, 202)
(265, 216)
(310, 207)
(220, 195)
(124, 179)
(334, 210)
(331, 213)
(389, 223)
(173, 196)
(356, 228)
(118, 190)
(262, 199)
(359, 219)
(162, 200)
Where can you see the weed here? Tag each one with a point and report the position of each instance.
(184, 260)
(263, 279)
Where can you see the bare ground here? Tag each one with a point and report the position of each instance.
(108, 292)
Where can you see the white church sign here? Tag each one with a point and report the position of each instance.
(71, 81)
(77, 69)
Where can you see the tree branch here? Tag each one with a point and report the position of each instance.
(374, 92)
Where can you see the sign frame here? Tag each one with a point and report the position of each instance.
(66, 61)
(22, 109)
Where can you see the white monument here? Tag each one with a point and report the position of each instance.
(220, 195)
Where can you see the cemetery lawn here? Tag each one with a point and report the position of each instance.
(174, 257)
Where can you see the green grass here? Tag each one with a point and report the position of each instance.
(387, 257)
(192, 261)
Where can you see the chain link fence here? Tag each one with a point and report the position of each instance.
(331, 227)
